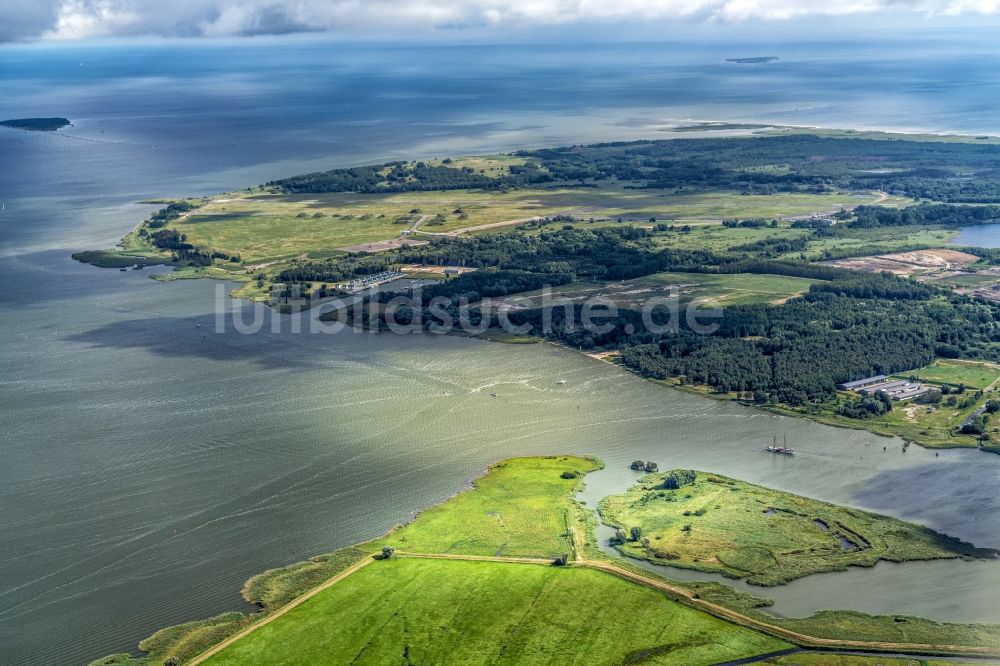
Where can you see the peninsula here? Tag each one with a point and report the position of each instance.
(802, 239)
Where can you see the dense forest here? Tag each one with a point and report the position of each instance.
(948, 172)
(839, 331)
(168, 214)
(336, 269)
(953, 172)
(848, 324)
(409, 177)
(936, 214)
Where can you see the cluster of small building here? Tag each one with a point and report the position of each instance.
(360, 284)
(896, 389)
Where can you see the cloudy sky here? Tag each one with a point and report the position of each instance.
(29, 20)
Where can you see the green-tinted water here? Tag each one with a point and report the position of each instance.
(151, 465)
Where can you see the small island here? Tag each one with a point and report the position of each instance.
(37, 124)
(759, 60)
(712, 523)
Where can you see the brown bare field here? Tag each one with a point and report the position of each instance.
(909, 263)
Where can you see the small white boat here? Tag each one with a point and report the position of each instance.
(561, 381)
(493, 394)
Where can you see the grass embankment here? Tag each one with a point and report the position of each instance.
(522, 508)
(413, 611)
(934, 430)
(768, 537)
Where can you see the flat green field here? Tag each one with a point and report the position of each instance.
(263, 226)
(766, 536)
(269, 226)
(409, 611)
(702, 288)
(521, 508)
(888, 239)
(974, 375)
(718, 238)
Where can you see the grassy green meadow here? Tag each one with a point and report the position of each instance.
(269, 226)
(412, 611)
(522, 508)
(974, 374)
(766, 536)
(717, 238)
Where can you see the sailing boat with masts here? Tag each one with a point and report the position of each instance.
(783, 449)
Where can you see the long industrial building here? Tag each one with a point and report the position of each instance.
(898, 389)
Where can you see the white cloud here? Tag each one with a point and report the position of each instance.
(73, 19)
